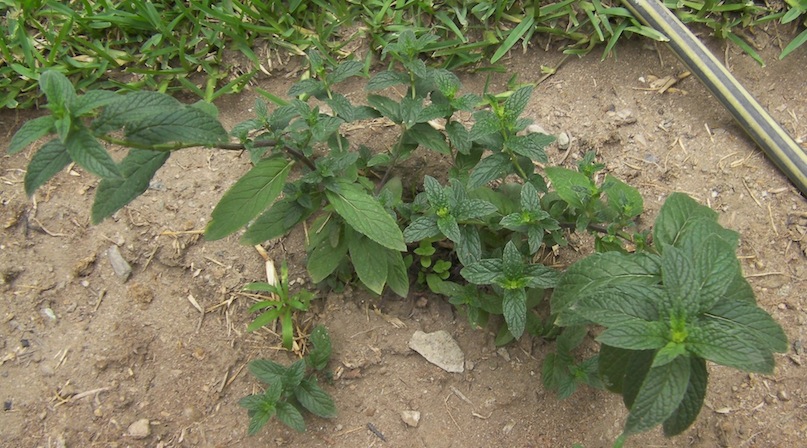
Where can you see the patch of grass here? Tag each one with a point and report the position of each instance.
(215, 48)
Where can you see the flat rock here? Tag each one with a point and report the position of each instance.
(121, 267)
(440, 349)
(411, 418)
(139, 429)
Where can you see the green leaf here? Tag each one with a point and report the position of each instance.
(613, 305)
(514, 306)
(680, 282)
(267, 371)
(473, 209)
(488, 169)
(397, 275)
(750, 321)
(515, 104)
(370, 262)
(250, 195)
(137, 169)
(325, 258)
(59, 91)
(31, 131)
(320, 353)
(459, 136)
(306, 87)
(265, 318)
(597, 271)
(133, 107)
(540, 276)
(531, 146)
(343, 71)
(449, 227)
(635, 335)
(187, 125)
(51, 158)
(676, 213)
(469, 247)
(691, 404)
(795, 43)
(428, 137)
(386, 106)
(325, 127)
(447, 83)
(92, 100)
(614, 364)
(485, 124)
(483, 272)
(659, 396)
(522, 29)
(294, 375)
(421, 228)
(622, 198)
(260, 411)
(316, 400)
(718, 343)
(716, 267)
(364, 214)
(385, 79)
(86, 151)
(290, 416)
(410, 108)
(569, 184)
(275, 222)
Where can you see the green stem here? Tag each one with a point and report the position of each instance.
(297, 155)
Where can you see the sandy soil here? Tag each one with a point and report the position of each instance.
(84, 354)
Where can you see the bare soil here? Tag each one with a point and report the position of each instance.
(84, 354)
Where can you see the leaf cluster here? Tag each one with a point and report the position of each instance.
(281, 305)
(480, 224)
(664, 313)
(291, 389)
(190, 46)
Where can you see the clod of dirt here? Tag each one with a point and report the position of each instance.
(119, 265)
(139, 429)
(440, 349)
(411, 418)
(84, 267)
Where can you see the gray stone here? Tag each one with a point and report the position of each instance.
(440, 349)
(119, 265)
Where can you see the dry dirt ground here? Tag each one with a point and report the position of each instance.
(83, 354)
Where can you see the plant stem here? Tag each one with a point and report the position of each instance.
(297, 155)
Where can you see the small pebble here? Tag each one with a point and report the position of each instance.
(782, 395)
(139, 429)
(501, 351)
(564, 141)
(411, 418)
(119, 265)
(536, 129)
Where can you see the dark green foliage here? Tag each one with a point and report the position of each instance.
(477, 236)
(291, 389)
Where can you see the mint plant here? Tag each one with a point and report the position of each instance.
(667, 301)
(282, 305)
(291, 390)
(665, 312)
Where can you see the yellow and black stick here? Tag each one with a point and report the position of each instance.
(779, 146)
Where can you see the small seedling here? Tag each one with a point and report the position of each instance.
(291, 389)
(282, 305)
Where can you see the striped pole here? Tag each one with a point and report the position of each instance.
(777, 144)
